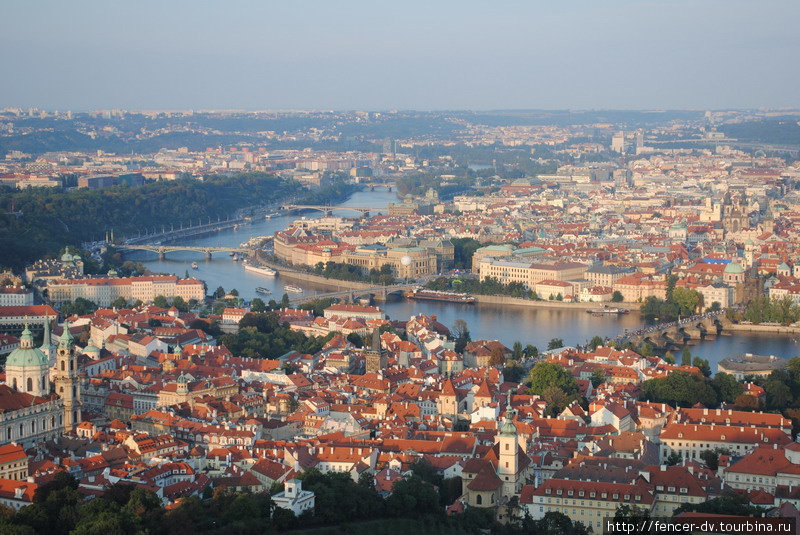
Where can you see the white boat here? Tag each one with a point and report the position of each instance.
(235, 257)
(261, 270)
(262, 290)
(293, 289)
(194, 265)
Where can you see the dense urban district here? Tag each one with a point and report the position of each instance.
(142, 402)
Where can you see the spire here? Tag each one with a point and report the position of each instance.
(66, 340)
(508, 427)
(46, 338)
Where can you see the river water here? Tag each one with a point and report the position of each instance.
(529, 325)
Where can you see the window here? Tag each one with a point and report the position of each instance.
(479, 499)
(30, 384)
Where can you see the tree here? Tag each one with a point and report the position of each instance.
(686, 357)
(355, 339)
(516, 352)
(219, 293)
(681, 388)
(556, 400)
(498, 357)
(179, 303)
(595, 342)
(746, 402)
(545, 375)
(258, 305)
(715, 307)
(555, 343)
(727, 387)
(703, 365)
(616, 297)
(234, 292)
(160, 301)
(461, 333)
(646, 350)
(673, 459)
(119, 302)
(530, 351)
(687, 300)
(79, 307)
(598, 377)
(711, 457)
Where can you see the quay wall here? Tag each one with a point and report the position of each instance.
(761, 328)
(515, 301)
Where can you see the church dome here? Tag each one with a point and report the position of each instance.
(734, 267)
(67, 257)
(26, 355)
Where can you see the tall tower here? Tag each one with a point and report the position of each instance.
(67, 380)
(46, 347)
(375, 357)
(508, 464)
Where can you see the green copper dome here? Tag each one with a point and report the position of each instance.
(26, 355)
(734, 267)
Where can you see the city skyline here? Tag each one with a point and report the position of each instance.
(627, 55)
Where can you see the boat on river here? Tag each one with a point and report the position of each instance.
(433, 295)
(608, 310)
(293, 289)
(261, 270)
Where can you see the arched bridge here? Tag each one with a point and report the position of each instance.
(162, 250)
(352, 295)
(676, 333)
(327, 210)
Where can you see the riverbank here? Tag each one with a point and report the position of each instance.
(292, 275)
(762, 328)
(530, 303)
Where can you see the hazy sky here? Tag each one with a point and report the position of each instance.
(404, 54)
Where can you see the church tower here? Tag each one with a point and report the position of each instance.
(508, 460)
(376, 359)
(67, 379)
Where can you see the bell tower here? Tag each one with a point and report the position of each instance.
(508, 465)
(67, 379)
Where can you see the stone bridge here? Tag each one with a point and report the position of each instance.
(379, 292)
(677, 333)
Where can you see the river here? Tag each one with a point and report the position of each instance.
(529, 325)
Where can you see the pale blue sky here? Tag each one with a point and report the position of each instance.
(169, 54)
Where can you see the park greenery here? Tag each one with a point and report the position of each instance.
(678, 302)
(347, 272)
(488, 286)
(262, 335)
(763, 309)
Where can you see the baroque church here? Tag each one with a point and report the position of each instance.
(493, 480)
(41, 395)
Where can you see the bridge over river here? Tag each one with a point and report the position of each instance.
(381, 292)
(663, 336)
(162, 250)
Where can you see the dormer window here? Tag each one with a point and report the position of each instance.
(604, 495)
(615, 496)
(592, 494)
(569, 493)
(684, 490)
(680, 435)
(559, 492)
(580, 494)
(722, 437)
